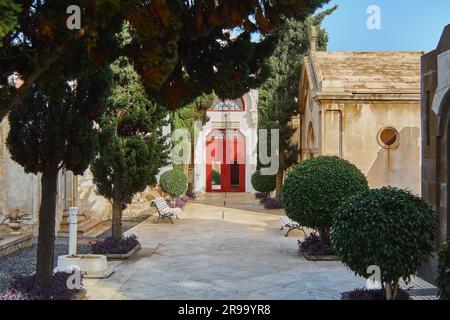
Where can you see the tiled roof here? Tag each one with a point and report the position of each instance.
(368, 72)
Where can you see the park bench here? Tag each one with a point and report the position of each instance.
(164, 211)
(291, 225)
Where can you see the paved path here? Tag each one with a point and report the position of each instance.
(214, 252)
(218, 252)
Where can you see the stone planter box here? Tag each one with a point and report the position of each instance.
(319, 258)
(12, 243)
(124, 256)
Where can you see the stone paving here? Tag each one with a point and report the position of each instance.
(217, 250)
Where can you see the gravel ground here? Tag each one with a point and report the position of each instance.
(24, 261)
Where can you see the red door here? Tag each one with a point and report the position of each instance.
(225, 165)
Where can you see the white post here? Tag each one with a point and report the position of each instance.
(73, 226)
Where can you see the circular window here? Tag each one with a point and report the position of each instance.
(388, 138)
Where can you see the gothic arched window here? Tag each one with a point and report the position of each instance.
(228, 105)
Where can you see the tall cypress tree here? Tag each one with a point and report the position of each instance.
(279, 93)
(132, 148)
(54, 128)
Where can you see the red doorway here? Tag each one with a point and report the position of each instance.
(225, 161)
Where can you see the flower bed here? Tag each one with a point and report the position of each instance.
(179, 202)
(314, 248)
(22, 288)
(365, 294)
(271, 204)
(112, 246)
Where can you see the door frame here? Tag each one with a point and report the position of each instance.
(240, 149)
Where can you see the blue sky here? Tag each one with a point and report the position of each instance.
(406, 25)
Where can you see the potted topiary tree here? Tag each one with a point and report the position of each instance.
(443, 280)
(388, 228)
(312, 192)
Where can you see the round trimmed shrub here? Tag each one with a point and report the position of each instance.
(174, 183)
(443, 280)
(263, 183)
(314, 189)
(389, 228)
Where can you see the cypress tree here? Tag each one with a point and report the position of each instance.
(279, 93)
(132, 148)
(54, 127)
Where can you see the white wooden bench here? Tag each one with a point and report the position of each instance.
(164, 211)
(291, 225)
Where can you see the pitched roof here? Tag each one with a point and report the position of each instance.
(367, 72)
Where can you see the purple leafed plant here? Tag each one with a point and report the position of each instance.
(379, 294)
(190, 195)
(179, 202)
(23, 288)
(315, 246)
(112, 246)
(271, 203)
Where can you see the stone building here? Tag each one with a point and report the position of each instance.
(363, 107)
(435, 109)
(226, 148)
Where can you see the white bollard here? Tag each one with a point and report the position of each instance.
(73, 228)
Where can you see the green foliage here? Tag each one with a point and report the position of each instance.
(186, 117)
(132, 145)
(216, 177)
(443, 280)
(179, 48)
(389, 228)
(9, 10)
(263, 183)
(278, 95)
(174, 183)
(315, 188)
(54, 126)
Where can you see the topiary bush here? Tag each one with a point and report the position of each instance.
(389, 228)
(443, 280)
(314, 189)
(174, 183)
(263, 183)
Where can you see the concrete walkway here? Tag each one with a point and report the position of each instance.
(227, 247)
(217, 252)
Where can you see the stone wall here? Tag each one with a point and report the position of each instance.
(247, 123)
(435, 111)
(17, 189)
(23, 191)
(349, 129)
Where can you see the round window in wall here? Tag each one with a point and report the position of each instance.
(388, 138)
